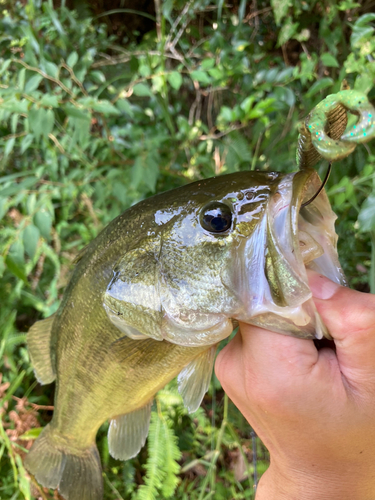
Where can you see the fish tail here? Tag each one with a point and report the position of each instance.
(76, 473)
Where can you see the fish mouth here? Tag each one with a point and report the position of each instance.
(313, 227)
(304, 235)
(294, 238)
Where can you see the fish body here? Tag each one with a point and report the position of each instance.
(154, 293)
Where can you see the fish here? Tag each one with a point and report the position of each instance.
(155, 292)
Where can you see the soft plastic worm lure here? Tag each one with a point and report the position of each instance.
(323, 133)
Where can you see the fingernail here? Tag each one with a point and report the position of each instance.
(321, 287)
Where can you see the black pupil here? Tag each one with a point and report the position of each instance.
(216, 218)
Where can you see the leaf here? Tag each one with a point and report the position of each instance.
(16, 269)
(15, 106)
(364, 83)
(329, 60)
(247, 103)
(26, 142)
(50, 68)
(13, 387)
(21, 79)
(15, 261)
(366, 216)
(9, 147)
(49, 122)
(155, 472)
(348, 5)
(216, 73)
(72, 59)
(175, 80)
(105, 107)
(40, 121)
(142, 90)
(33, 83)
(171, 455)
(2, 266)
(16, 252)
(280, 9)
(360, 35)
(321, 84)
(81, 132)
(31, 434)
(208, 63)
(200, 76)
(157, 83)
(125, 107)
(285, 94)
(3, 206)
(50, 100)
(5, 66)
(98, 76)
(30, 203)
(30, 239)
(54, 18)
(364, 19)
(15, 187)
(23, 479)
(75, 112)
(287, 31)
(226, 114)
(14, 122)
(146, 170)
(43, 222)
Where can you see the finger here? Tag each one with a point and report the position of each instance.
(229, 368)
(350, 318)
(267, 368)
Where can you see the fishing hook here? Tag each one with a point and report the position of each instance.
(321, 187)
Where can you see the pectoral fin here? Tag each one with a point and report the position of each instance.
(127, 433)
(193, 381)
(39, 346)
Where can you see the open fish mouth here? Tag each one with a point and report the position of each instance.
(295, 238)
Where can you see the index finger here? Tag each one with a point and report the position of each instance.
(350, 318)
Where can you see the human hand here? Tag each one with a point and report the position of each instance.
(314, 410)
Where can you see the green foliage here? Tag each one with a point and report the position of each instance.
(161, 466)
(90, 125)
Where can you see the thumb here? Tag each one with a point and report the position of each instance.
(350, 318)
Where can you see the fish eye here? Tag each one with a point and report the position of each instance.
(216, 217)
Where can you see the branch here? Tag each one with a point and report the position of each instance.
(44, 75)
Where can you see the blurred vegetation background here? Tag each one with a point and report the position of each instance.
(105, 103)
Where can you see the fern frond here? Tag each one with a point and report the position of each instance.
(155, 472)
(171, 455)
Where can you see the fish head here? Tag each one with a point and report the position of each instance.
(230, 248)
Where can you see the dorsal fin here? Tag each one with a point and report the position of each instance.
(127, 433)
(193, 381)
(39, 347)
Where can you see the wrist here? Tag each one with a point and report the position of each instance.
(279, 484)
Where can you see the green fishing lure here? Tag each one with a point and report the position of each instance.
(323, 133)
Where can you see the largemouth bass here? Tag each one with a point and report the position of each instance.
(154, 293)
